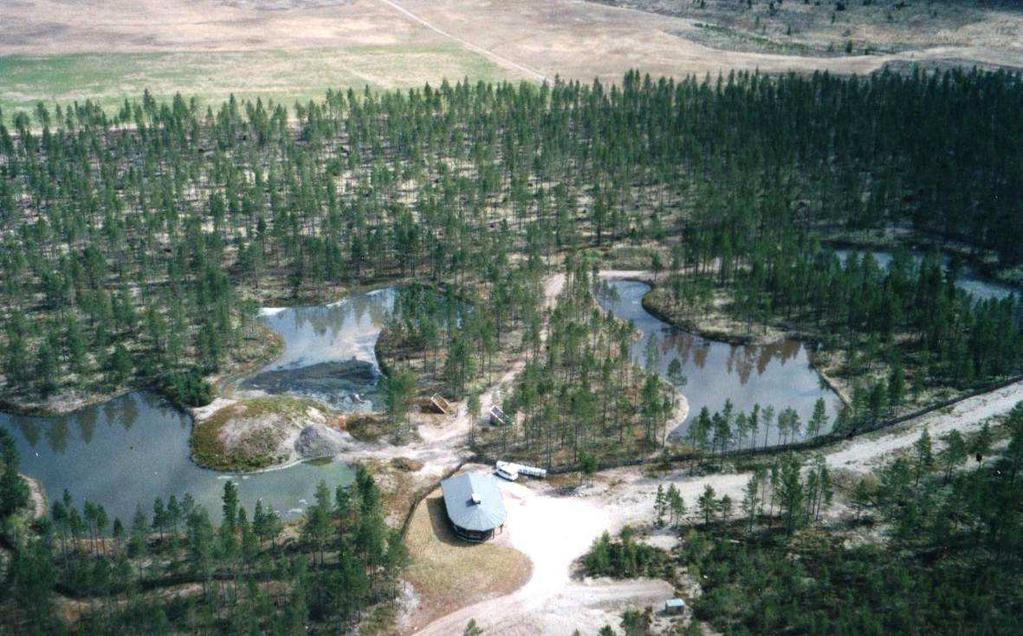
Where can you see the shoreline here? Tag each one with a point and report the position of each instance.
(36, 495)
(732, 338)
(72, 401)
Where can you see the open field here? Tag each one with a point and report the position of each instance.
(281, 75)
(294, 49)
(804, 28)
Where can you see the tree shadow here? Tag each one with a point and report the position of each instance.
(442, 529)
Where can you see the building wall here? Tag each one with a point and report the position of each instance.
(472, 535)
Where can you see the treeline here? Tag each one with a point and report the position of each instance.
(172, 570)
(949, 562)
(453, 337)
(580, 396)
(728, 429)
(132, 242)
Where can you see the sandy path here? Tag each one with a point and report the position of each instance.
(628, 494)
(555, 530)
(503, 61)
(36, 496)
(862, 454)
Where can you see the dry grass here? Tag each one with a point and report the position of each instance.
(448, 573)
(53, 50)
(247, 435)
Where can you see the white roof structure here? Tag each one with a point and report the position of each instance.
(474, 502)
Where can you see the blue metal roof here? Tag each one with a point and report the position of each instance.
(473, 501)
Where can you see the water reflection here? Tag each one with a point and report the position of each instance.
(134, 448)
(329, 353)
(778, 374)
(968, 280)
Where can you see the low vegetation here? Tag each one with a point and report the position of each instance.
(448, 573)
(250, 434)
(626, 557)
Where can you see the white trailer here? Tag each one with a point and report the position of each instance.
(511, 468)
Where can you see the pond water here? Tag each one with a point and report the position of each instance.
(134, 448)
(329, 351)
(779, 374)
(969, 279)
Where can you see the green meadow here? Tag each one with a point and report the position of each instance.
(281, 75)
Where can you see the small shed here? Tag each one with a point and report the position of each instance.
(498, 417)
(474, 505)
(440, 404)
(674, 606)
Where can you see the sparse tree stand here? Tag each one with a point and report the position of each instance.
(131, 242)
(399, 392)
(474, 408)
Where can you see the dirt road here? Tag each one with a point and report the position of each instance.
(555, 530)
(500, 59)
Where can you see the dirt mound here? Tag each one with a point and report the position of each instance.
(319, 441)
(263, 432)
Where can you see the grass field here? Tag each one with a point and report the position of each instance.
(106, 50)
(281, 75)
(449, 573)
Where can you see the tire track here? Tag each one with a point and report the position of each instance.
(465, 43)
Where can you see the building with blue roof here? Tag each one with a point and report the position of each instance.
(474, 505)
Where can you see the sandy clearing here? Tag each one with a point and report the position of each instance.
(553, 531)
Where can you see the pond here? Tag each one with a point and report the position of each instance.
(779, 374)
(329, 351)
(969, 280)
(134, 448)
